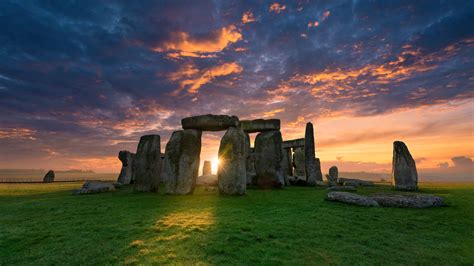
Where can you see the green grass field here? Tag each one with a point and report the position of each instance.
(45, 224)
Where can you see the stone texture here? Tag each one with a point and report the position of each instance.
(260, 125)
(268, 156)
(286, 164)
(233, 153)
(181, 164)
(210, 122)
(293, 143)
(207, 168)
(92, 187)
(298, 162)
(147, 164)
(333, 174)
(351, 198)
(125, 176)
(341, 188)
(312, 164)
(404, 174)
(48, 177)
(408, 201)
(354, 182)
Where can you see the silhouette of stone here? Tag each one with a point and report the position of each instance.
(351, 198)
(354, 182)
(125, 176)
(341, 188)
(333, 174)
(92, 187)
(298, 162)
(312, 168)
(232, 172)
(260, 125)
(207, 168)
(147, 164)
(404, 174)
(250, 165)
(181, 164)
(293, 143)
(408, 201)
(48, 177)
(268, 156)
(210, 122)
(286, 164)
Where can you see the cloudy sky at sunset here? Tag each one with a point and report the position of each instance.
(81, 80)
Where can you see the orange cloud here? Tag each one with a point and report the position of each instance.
(192, 79)
(17, 133)
(277, 8)
(183, 45)
(272, 113)
(248, 17)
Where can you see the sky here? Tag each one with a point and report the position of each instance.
(82, 80)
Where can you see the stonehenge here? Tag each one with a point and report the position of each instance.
(268, 156)
(404, 174)
(260, 125)
(210, 122)
(125, 176)
(147, 164)
(232, 171)
(48, 177)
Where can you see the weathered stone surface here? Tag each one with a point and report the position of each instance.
(312, 164)
(404, 174)
(125, 176)
(207, 168)
(341, 188)
(298, 162)
(210, 122)
(293, 143)
(286, 164)
(147, 164)
(319, 173)
(333, 174)
(260, 125)
(90, 187)
(233, 153)
(351, 198)
(48, 177)
(354, 182)
(408, 201)
(181, 164)
(268, 156)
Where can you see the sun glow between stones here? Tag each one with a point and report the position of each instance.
(214, 165)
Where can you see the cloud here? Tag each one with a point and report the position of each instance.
(443, 165)
(277, 8)
(182, 44)
(248, 17)
(192, 79)
(462, 162)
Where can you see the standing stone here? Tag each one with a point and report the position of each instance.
(268, 157)
(250, 165)
(207, 168)
(182, 161)
(298, 162)
(49, 177)
(147, 164)
(233, 153)
(210, 122)
(125, 176)
(404, 174)
(287, 166)
(313, 173)
(333, 174)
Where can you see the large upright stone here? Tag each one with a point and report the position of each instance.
(182, 161)
(250, 162)
(333, 174)
(210, 122)
(404, 174)
(125, 176)
(147, 164)
(233, 153)
(268, 156)
(298, 162)
(207, 168)
(49, 177)
(313, 173)
(260, 125)
(286, 165)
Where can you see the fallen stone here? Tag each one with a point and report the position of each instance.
(207, 168)
(354, 182)
(351, 198)
(333, 174)
(147, 164)
(268, 156)
(293, 143)
(48, 177)
(408, 201)
(259, 125)
(341, 188)
(92, 187)
(210, 122)
(181, 163)
(232, 172)
(404, 174)
(125, 176)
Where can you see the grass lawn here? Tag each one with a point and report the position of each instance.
(45, 224)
